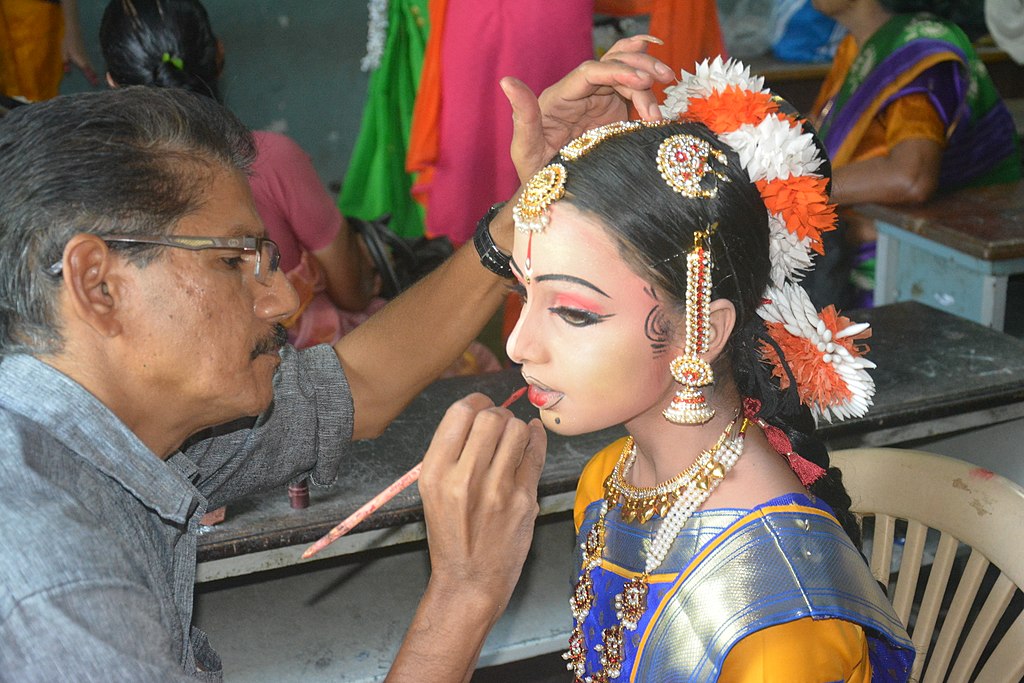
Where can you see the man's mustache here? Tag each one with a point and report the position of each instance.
(272, 343)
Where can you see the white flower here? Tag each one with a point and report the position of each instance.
(790, 306)
(790, 255)
(376, 35)
(774, 149)
(708, 78)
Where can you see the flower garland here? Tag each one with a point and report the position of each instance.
(783, 161)
(376, 35)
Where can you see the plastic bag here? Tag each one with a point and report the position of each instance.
(746, 26)
(803, 34)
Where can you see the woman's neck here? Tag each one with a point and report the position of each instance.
(864, 19)
(664, 449)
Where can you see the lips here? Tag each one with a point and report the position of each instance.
(543, 398)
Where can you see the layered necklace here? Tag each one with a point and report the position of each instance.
(674, 501)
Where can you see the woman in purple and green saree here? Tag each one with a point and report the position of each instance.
(907, 110)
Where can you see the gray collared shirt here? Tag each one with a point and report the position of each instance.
(98, 535)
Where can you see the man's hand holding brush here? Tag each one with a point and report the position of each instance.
(479, 490)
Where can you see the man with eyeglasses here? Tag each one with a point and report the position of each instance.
(141, 305)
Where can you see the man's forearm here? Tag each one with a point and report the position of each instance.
(406, 345)
(445, 638)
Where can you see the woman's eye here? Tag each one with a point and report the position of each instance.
(578, 317)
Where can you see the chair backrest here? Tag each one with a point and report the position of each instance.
(972, 512)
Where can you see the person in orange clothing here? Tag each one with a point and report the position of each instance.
(40, 40)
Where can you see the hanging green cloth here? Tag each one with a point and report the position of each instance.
(376, 182)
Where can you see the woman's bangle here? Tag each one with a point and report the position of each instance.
(491, 257)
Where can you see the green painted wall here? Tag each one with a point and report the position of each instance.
(291, 66)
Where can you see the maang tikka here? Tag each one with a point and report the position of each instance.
(684, 161)
(547, 185)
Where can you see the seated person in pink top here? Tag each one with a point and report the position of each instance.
(170, 43)
(323, 256)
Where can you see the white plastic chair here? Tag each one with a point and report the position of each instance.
(965, 505)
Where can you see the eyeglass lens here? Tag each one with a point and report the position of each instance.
(267, 260)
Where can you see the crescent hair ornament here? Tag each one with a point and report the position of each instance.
(685, 161)
(595, 136)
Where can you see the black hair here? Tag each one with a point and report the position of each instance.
(135, 160)
(167, 43)
(619, 183)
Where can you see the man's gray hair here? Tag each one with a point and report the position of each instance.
(132, 160)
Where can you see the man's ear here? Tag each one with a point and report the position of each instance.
(721, 324)
(92, 287)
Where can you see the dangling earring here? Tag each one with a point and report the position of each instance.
(690, 406)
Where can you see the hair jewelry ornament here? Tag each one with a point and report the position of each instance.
(530, 213)
(684, 162)
(592, 138)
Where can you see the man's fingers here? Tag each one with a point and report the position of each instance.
(525, 109)
(451, 434)
(532, 463)
(485, 442)
(527, 131)
(510, 452)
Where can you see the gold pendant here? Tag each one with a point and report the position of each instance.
(593, 548)
(631, 602)
(576, 656)
(582, 597)
(613, 651)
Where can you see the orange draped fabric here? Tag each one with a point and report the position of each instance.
(689, 28)
(424, 136)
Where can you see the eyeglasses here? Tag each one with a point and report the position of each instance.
(268, 255)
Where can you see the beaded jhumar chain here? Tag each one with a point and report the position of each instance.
(683, 495)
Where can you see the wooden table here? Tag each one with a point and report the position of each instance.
(955, 253)
(934, 369)
(341, 616)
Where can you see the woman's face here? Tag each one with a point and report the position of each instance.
(593, 337)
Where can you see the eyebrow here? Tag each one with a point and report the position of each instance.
(562, 278)
(245, 229)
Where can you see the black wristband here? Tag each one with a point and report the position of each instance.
(491, 257)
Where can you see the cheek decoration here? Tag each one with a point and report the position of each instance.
(656, 327)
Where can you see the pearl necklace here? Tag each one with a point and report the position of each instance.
(689, 493)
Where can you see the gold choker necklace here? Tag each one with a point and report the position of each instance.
(644, 502)
(689, 493)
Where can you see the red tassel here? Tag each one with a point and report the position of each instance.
(805, 470)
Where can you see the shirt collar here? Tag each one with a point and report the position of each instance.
(84, 425)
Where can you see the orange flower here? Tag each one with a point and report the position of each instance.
(817, 382)
(803, 204)
(729, 109)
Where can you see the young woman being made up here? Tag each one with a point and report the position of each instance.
(659, 266)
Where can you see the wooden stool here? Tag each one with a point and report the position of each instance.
(955, 253)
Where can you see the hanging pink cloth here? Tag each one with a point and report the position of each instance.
(537, 41)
